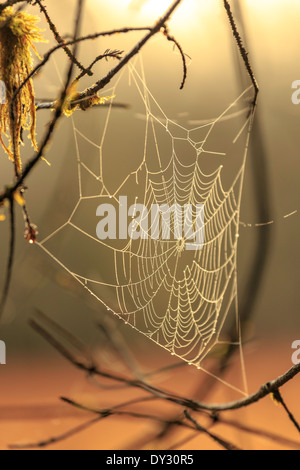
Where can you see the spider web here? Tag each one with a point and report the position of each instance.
(179, 299)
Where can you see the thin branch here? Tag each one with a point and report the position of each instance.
(225, 444)
(89, 92)
(78, 20)
(78, 429)
(10, 192)
(262, 196)
(49, 105)
(243, 52)
(181, 52)
(103, 82)
(263, 392)
(257, 432)
(153, 31)
(116, 54)
(279, 399)
(55, 440)
(61, 41)
(58, 114)
(73, 42)
(115, 411)
(10, 261)
(134, 415)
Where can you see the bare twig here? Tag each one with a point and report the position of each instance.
(115, 411)
(101, 415)
(257, 432)
(71, 42)
(60, 40)
(166, 422)
(89, 92)
(10, 192)
(279, 399)
(243, 52)
(193, 405)
(10, 256)
(107, 54)
(54, 440)
(262, 195)
(181, 52)
(225, 444)
(58, 114)
(51, 105)
(153, 31)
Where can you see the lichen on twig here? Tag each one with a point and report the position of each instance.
(18, 34)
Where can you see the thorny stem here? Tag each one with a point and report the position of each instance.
(154, 30)
(243, 51)
(60, 40)
(112, 54)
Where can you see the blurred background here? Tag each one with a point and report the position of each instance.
(215, 78)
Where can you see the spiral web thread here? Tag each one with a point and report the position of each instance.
(180, 300)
